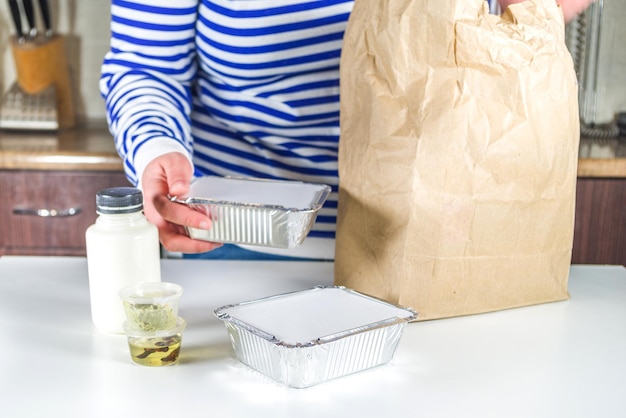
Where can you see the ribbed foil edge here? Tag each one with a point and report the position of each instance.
(301, 367)
(254, 225)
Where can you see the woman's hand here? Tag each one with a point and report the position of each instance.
(571, 8)
(169, 175)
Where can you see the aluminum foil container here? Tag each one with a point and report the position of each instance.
(271, 213)
(308, 337)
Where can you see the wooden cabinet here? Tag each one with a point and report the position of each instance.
(47, 212)
(600, 228)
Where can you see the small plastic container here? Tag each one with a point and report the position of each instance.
(151, 306)
(155, 348)
(252, 211)
(304, 338)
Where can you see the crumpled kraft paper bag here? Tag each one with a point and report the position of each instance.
(458, 155)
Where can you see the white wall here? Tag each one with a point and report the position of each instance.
(85, 23)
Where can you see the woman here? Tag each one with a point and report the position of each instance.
(229, 87)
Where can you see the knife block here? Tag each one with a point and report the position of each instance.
(40, 63)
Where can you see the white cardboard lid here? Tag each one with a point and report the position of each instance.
(304, 316)
(288, 194)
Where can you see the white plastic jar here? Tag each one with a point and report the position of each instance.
(122, 249)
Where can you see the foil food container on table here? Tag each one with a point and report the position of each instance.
(304, 338)
(271, 213)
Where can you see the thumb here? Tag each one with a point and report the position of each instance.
(178, 172)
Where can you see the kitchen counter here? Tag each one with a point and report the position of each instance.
(604, 158)
(87, 147)
(556, 359)
(91, 148)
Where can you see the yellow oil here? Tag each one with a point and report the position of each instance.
(155, 351)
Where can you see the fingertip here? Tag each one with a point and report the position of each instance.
(184, 244)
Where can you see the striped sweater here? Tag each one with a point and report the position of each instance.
(245, 88)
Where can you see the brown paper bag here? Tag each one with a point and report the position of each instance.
(458, 155)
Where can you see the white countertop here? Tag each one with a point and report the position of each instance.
(563, 359)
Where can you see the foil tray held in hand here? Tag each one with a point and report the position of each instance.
(307, 337)
(271, 213)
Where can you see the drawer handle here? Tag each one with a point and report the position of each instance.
(47, 213)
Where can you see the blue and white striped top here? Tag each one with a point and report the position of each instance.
(248, 87)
